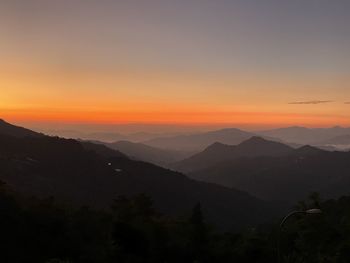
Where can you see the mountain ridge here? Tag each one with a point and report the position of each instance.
(218, 152)
(199, 141)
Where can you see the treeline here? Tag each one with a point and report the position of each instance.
(33, 230)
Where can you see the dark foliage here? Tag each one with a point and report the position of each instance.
(34, 230)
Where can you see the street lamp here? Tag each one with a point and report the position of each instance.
(313, 211)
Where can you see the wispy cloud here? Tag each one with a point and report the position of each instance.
(311, 102)
(348, 102)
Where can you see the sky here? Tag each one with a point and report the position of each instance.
(242, 63)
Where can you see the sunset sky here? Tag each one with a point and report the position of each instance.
(243, 63)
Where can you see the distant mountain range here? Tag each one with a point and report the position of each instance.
(218, 152)
(325, 138)
(199, 141)
(291, 136)
(84, 173)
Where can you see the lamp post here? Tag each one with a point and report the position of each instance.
(314, 211)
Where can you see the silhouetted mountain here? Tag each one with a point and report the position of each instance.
(86, 174)
(143, 152)
(9, 129)
(288, 177)
(219, 152)
(304, 135)
(259, 146)
(199, 141)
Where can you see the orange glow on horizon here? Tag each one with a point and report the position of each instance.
(179, 117)
(155, 97)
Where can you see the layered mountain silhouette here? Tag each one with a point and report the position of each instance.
(199, 141)
(291, 177)
(88, 174)
(218, 152)
(143, 152)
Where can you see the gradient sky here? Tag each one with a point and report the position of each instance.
(243, 63)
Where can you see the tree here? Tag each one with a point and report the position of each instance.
(199, 235)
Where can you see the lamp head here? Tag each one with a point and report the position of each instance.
(313, 211)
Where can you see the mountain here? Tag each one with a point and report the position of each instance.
(198, 142)
(290, 177)
(86, 174)
(302, 135)
(143, 152)
(218, 152)
(9, 129)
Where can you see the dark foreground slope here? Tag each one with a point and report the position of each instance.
(85, 175)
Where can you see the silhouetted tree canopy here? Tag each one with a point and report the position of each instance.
(41, 230)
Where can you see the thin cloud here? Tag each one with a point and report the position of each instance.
(311, 102)
(348, 102)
